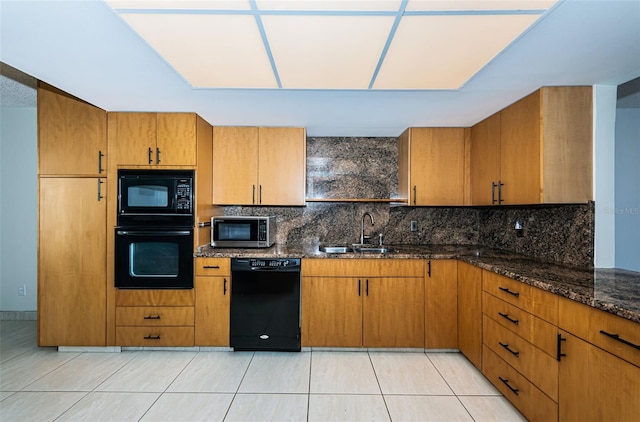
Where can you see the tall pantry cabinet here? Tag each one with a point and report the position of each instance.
(72, 226)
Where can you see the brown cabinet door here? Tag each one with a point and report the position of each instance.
(393, 312)
(212, 311)
(441, 304)
(176, 139)
(470, 312)
(72, 262)
(520, 153)
(281, 166)
(72, 135)
(437, 166)
(135, 135)
(595, 385)
(332, 311)
(485, 161)
(235, 165)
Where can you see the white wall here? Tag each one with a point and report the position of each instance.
(627, 190)
(604, 119)
(18, 208)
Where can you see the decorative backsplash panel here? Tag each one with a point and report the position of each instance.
(341, 168)
(367, 168)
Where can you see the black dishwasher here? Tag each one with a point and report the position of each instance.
(265, 304)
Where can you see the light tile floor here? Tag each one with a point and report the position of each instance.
(42, 384)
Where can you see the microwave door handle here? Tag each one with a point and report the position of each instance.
(154, 233)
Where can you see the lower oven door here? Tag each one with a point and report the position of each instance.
(153, 258)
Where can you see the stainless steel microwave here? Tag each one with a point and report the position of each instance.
(243, 231)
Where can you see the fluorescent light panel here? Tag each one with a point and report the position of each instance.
(329, 44)
(443, 52)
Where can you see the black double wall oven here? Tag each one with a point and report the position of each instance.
(154, 233)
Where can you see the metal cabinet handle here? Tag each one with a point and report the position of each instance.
(367, 288)
(150, 158)
(260, 196)
(359, 288)
(100, 197)
(414, 194)
(100, 155)
(253, 194)
(152, 317)
(506, 316)
(620, 339)
(157, 155)
(493, 193)
(212, 266)
(500, 185)
(429, 268)
(559, 354)
(506, 290)
(152, 337)
(509, 349)
(224, 287)
(506, 382)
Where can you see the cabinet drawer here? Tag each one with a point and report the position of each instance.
(363, 267)
(154, 336)
(532, 299)
(527, 326)
(588, 323)
(537, 366)
(533, 403)
(153, 316)
(213, 266)
(155, 297)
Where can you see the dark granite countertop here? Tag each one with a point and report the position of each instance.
(612, 290)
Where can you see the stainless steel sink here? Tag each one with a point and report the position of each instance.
(335, 249)
(371, 249)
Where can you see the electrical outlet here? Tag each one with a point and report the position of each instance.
(22, 290)
(414, 226)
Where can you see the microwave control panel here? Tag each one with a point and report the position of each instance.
(183, 196)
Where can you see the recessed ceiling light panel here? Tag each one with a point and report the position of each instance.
(209, 50)
(443, 52)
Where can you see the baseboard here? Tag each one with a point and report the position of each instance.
(18, 315)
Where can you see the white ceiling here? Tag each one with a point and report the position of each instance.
(88, 49)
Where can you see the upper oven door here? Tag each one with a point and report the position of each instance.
(153, 259)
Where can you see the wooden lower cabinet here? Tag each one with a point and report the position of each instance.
(154, 336)
(470, 312)
(341, 309)
(213, 305)
(523, 394)
(212, 301)
(596, 385)
(441, 304)
(393, 312)
(72, 242)
(155, 318)
(331, 312)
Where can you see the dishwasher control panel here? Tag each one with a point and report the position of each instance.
(274, 263)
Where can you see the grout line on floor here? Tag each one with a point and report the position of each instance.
(379, 386)
(253, 355)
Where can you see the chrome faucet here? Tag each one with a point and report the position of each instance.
(362, 236)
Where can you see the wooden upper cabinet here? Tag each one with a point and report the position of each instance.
(72, 135)
(154, 139)
(431, 164)
(485, 161)
(235, 170)
(520, 152)
(259, 166)
(282, 166)
(537, 150)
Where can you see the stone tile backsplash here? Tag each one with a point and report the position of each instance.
(367, 168)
